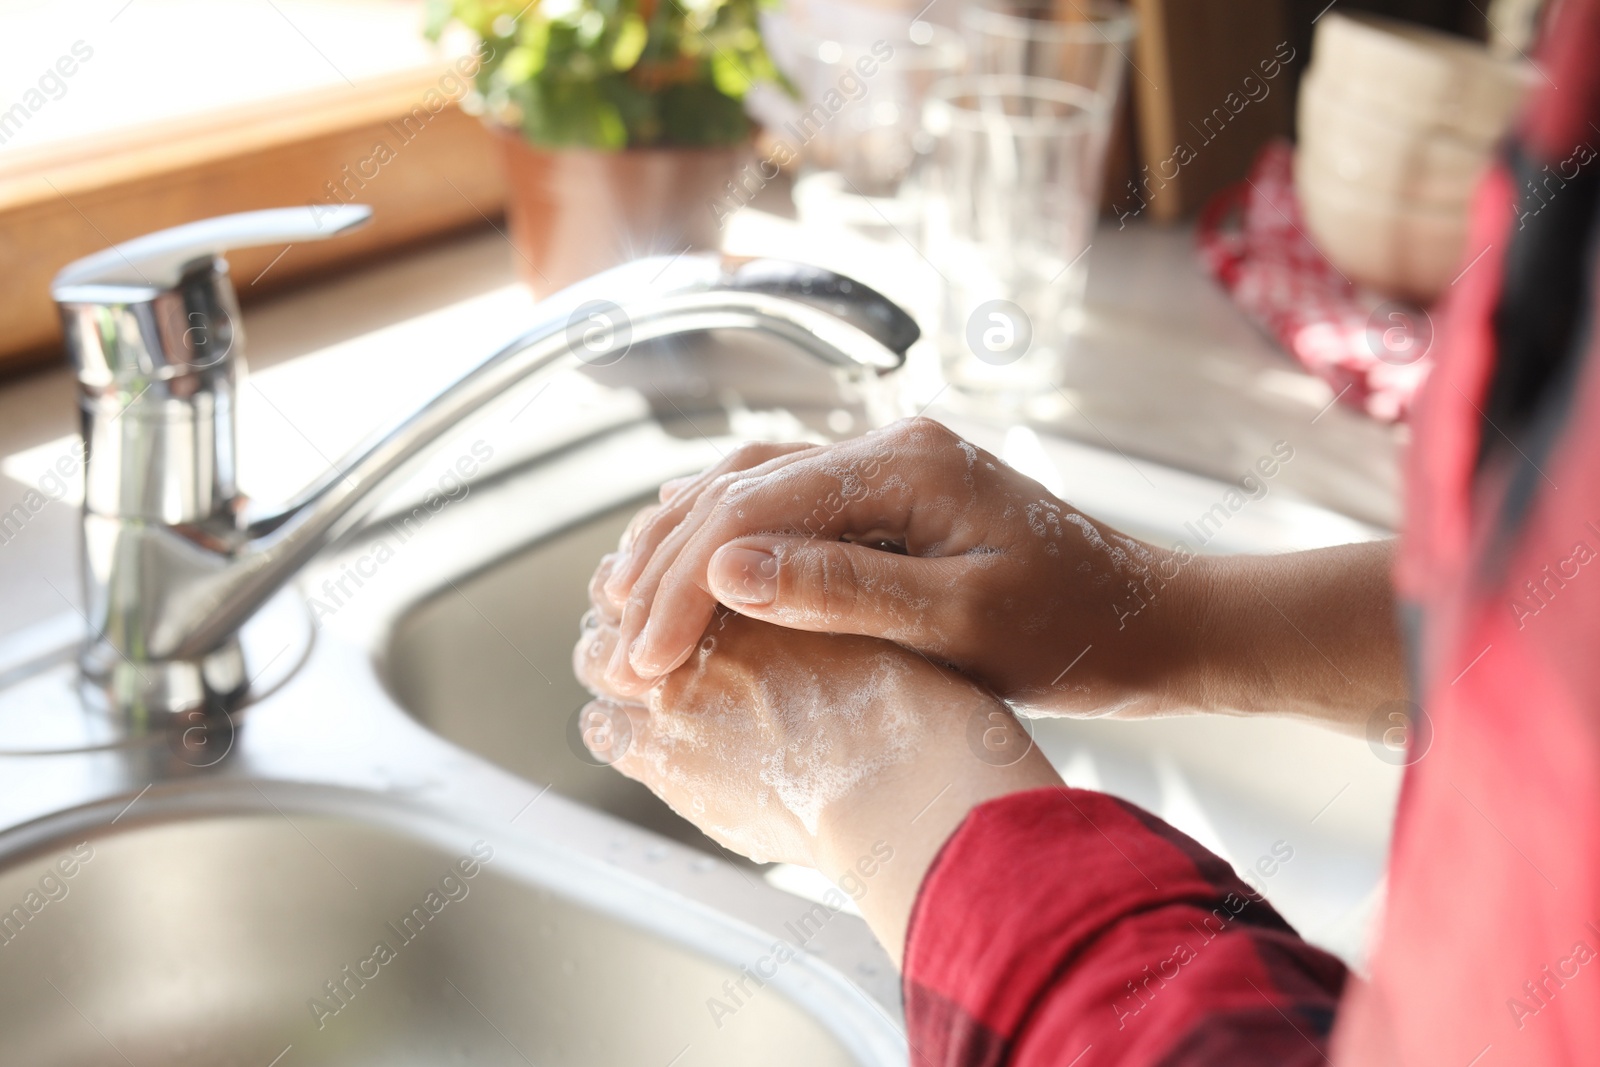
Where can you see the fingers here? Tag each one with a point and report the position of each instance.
(673, 486)
(605, 609)
(653, 524)
(633, 582)
(596, 648)
(640, 518)
(596, 641)
(611, 727)
(832, 587)
(824, 494)
(912, 483)
(625, 736)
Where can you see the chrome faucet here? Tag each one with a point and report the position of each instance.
(174, 566)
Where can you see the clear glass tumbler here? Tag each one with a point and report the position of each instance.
(1010, 190)
(1084, 42)
(1080, 42)
(859, 115)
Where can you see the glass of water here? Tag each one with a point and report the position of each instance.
(1010, 188)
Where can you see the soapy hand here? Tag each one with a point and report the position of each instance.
(913, 535)
(763, 732)
(809, 748)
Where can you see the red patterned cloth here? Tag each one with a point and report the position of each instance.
(1373, 352)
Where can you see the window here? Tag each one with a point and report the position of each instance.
(119, 117)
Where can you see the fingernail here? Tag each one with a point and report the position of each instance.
(614, 587)
(615, 666)
(636, 651)
(745, 576)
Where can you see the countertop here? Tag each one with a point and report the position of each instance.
(1169, 372)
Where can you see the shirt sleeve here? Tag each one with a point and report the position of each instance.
(1065, 928)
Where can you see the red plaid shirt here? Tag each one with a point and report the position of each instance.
(1043, 904)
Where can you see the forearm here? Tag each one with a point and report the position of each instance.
(1311, 634)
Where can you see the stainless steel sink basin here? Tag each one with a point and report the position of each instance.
(221, 891)
(264, 923)
(485, 661)
(488, 664)
(228, 886)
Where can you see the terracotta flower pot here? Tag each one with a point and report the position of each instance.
(573, 212)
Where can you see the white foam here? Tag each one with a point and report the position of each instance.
(971, 452)
(1092, 535)
(814, 740)
(1044, 518)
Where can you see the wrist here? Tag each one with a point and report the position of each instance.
(1189, 635)
(1217, 653)
(879, 843)
(1308, 634)
(1162, 639)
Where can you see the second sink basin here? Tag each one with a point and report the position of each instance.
(266, 924)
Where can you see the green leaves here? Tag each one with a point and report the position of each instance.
(616, 74)
(631, 36)
(700, 115)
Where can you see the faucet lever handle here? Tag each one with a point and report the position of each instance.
(158, 260)
(861, 306)
(152, 326)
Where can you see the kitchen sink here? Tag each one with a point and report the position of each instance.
(424, 703)
(485, 662)
(489, 665)
(216, 890)
(266, 923)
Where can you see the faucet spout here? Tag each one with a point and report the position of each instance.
(172, 570)
(839, 321)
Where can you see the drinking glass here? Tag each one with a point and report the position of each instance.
(1009, 196)
(1080, 42)
(1084, 42)
(859, 115)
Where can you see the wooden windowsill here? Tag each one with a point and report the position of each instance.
(62, 201)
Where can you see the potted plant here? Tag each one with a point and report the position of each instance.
(622, 121)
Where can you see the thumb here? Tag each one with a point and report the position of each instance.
(838, 587)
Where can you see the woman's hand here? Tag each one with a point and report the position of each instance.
(913, 535)
(837, 752)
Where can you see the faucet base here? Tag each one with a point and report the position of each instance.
(193, 707)
(145, 693)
